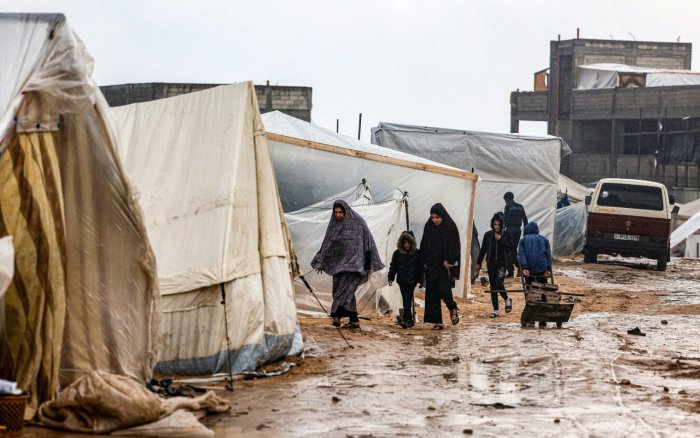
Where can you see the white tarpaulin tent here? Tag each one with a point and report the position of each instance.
(528, 166)
(607, 75)
(84, 295)
(313, 163)
(308, 228)
(201, 165)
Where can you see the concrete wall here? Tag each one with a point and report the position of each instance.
(295, 101)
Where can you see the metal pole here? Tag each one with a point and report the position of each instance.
(337, 125)
(229, 386)
(639, 146)
(405, 205)
(359, 126)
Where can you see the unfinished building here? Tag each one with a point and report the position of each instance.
(628, 109)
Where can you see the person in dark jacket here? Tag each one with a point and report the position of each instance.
(535, 256)
(496, 248)
(514, 218)
(440, 247)
(349, 254)
(406, 268)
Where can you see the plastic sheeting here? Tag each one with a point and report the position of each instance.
(575, 191)
(106, 317)
(206, 184)
(692, 246)
(607, 75)
(525, 165)
(308, 228)
(314, 163)
(691, 226)
(688, 209)
(570, 229)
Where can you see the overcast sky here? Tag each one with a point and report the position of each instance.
(439, 63)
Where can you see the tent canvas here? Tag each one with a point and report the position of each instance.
(84, 295)
(312, 163)
(308, 228)
(201, 165)
(609, 75)
(528, 166)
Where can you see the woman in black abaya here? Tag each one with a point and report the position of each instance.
(441, 256)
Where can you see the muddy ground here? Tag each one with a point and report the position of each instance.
(488, 377)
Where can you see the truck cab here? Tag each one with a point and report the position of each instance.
(631, 218)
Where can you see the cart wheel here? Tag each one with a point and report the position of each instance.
(559, 324)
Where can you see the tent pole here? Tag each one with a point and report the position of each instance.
(470, 228)
(359, 126)
(229, 385)
(405, 205)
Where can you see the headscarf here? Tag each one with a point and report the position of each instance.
(440, 243)
(348, 245)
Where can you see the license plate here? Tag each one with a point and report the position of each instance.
(626, 237)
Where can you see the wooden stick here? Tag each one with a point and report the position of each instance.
(372, 156)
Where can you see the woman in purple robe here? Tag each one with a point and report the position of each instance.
(349, 254)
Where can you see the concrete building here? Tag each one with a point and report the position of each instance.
(294, 101)
(632, 129)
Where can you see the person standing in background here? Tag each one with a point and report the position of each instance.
(514, 218)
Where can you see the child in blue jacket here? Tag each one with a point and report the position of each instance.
(535, 256)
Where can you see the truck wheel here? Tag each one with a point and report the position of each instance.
(661, 265)
(590, 257)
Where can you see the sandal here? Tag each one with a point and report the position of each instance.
(438, 327)
(509, 305)
(494, 315)
(335, 322)
(454, 317)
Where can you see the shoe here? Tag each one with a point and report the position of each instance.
(454, 317)
(542, 325)
(410, 324)
(636, 332)
(438, 327)
(352, 325)
(494, 314)
(335, 322)
(509, 305)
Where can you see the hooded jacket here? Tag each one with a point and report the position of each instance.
(406, 266)
(514, 216)
(534, 252)
(495, 251)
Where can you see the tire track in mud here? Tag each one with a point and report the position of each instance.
(615, 389)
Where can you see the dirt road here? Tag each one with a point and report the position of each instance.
(489, 377)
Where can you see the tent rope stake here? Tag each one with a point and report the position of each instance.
(229, 384)
(308, 286)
